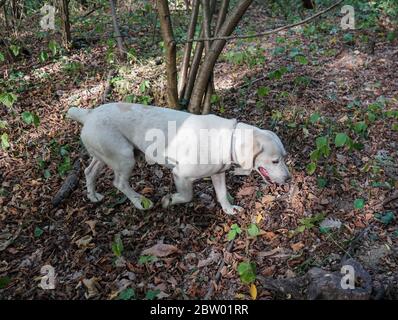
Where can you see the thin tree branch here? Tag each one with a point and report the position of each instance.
(266, 33)
(188, 49)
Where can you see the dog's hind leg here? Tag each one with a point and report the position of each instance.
(184, 192)
(91, 173)
(123, 165)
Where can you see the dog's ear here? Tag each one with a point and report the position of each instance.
(247, 147)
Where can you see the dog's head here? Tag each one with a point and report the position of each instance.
(262, 151)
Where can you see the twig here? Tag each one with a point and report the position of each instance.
(218, 274)
(390, 199)
(70, 184)
(108, 85)
(266, 33)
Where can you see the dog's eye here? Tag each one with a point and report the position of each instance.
(275, 161)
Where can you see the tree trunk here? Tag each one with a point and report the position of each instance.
(170, 46)
(120, 46)
(66, 34)
(187, 50)
(215, 49)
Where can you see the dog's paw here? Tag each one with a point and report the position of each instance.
(96, 197)
(166, 201)
(233, 210)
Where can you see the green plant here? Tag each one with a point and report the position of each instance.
(43, 57)
(308, 223)
(30, 117)
(127, 294)
(147, 259)
(117, 246)
(235, 230)
(5, 144)
(15, 50)
(253, 230)
(8, 99)
(152, 294)
(38, 232)
(247, 272)
(359, 204)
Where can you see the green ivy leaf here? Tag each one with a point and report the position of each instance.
(341, 139)
(311, 167)
(38, 232)
(235, 230)
(360, 127)
(385, 218)
(315, 117)
(247, 272)
(151, 294)
(4, 282)
(263, 91)
(4, 141)
(8, 99)
(253, 230)
(2, 57)
(127, 294)
(301, 59)
(359, 203)
(43, 57)
(321, 142)
(321, 182)
(145, 202)
(315, 155)
(53, 46)
(30, 117)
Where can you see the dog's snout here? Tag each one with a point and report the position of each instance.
(288, 179)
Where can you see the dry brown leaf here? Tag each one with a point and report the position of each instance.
(297, 246)
(267, 198)
(84, 242)
(160, 250)
(92, 286)
(91, 224)
(246, 191)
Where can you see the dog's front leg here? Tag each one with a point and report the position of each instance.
(221, 192)
(184, 192)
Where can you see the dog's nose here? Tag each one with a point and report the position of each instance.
(288, 179)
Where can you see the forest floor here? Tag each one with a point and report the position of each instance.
(303, 84)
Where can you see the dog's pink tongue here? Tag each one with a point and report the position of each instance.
(263, 172)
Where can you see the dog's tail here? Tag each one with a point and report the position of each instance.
(78, 114)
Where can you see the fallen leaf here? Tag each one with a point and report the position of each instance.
(91, 224)
(259, 217)
(92, 286)
(269, 235)
(253, 291)
(297, 246)
(84, 242)
(246, 191)
(267, 198)
(147, 190)
(213, 257)
(160, 250)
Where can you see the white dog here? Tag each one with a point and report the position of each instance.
(194, 146)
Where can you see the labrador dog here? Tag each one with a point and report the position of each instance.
(193, 146)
